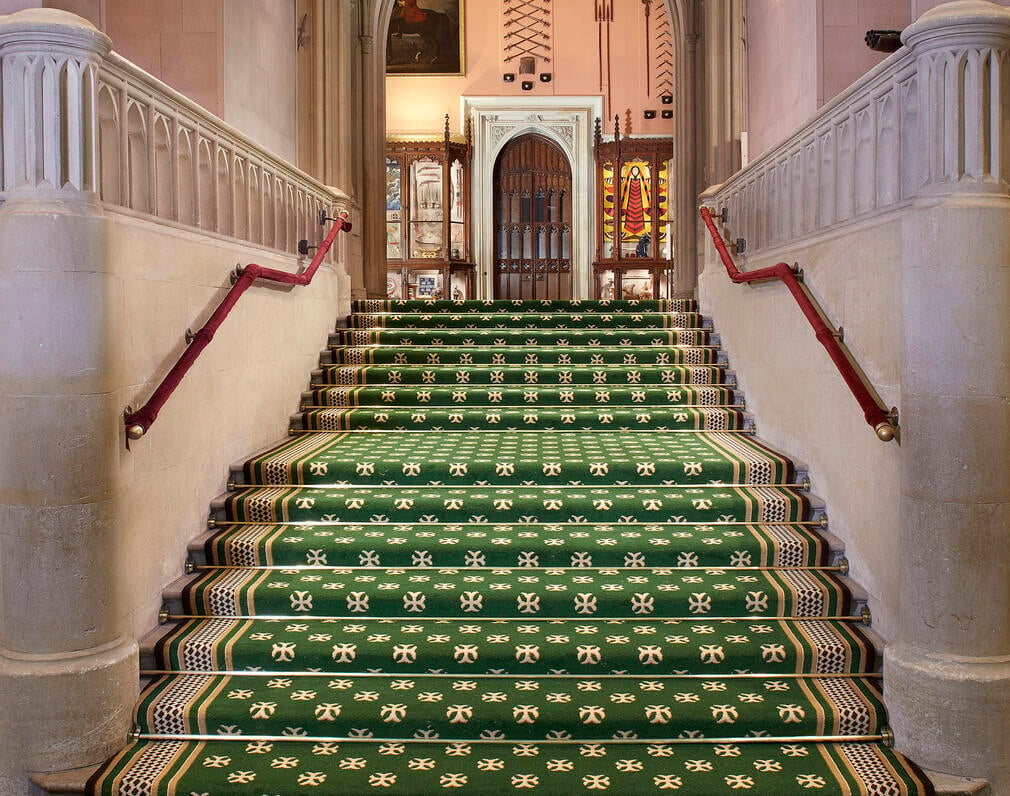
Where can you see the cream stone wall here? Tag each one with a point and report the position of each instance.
(856, 274)
(234, 402)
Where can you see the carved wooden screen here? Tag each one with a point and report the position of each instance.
(533, 221)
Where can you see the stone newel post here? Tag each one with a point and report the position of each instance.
(68, 671)
(948, 672)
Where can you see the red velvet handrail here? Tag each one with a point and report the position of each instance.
(139, 422)
(876, 415)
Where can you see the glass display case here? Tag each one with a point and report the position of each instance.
(428, 251)
(633, 253)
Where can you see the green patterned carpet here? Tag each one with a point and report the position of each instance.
(515, 546)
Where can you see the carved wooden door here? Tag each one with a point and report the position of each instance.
(533, 221)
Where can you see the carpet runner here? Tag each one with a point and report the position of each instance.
(515, 546)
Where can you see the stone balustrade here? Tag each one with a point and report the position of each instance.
(927, 116)
(162, 154)
(79, 117)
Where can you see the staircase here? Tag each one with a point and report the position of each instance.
(515, 546)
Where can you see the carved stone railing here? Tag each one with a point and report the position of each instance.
(856, 158)
(80, 117)
(162, 154)
(883, 141)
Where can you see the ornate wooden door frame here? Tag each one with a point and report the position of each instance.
(568, 121)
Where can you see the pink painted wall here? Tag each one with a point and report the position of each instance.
(418, 104)
(802, 53)
(178, 41)
(236, 58)
(844, 54)
(782, 69)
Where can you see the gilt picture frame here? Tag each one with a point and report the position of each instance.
(426, 37)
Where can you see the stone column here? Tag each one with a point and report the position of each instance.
(68, 673)
(373, 154)
(947, 673)
(685, 254)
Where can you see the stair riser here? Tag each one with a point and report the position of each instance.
(462, 396)
(526, 355)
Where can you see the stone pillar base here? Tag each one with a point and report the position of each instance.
(63, 712)
(950, 715)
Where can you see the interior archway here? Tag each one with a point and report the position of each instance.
(375, 22)
(532, 220)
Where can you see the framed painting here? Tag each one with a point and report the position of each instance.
(425, 37)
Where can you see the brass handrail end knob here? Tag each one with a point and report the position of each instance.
(211, 522)
(887, 736)
(885, 431)
(163, 615)
(865, 615)
(135, 733)
(135, 431)
(824, 520)
(843, 566)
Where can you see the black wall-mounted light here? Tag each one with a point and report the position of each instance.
(649, 114)
(545, 77)
(667, 99)
(884, 41)
(527, 85)
(509, 77)
(667, 113)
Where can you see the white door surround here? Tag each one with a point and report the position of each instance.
(568, 121)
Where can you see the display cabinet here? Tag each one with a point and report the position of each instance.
(633, 251)
(428, 249)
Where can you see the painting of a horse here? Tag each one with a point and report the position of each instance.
(424, 37)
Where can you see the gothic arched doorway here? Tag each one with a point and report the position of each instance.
(533, 220)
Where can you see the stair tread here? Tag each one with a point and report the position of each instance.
(426, 503)
(515, 593)
(512, 305)
(655, 418)
(483, 706)
(526, 320)
(425, 767)
(491, 375)
(513, 457)
(560, 337)
(505, 544)
(639, 646)
(525, 355)
(525, 395)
